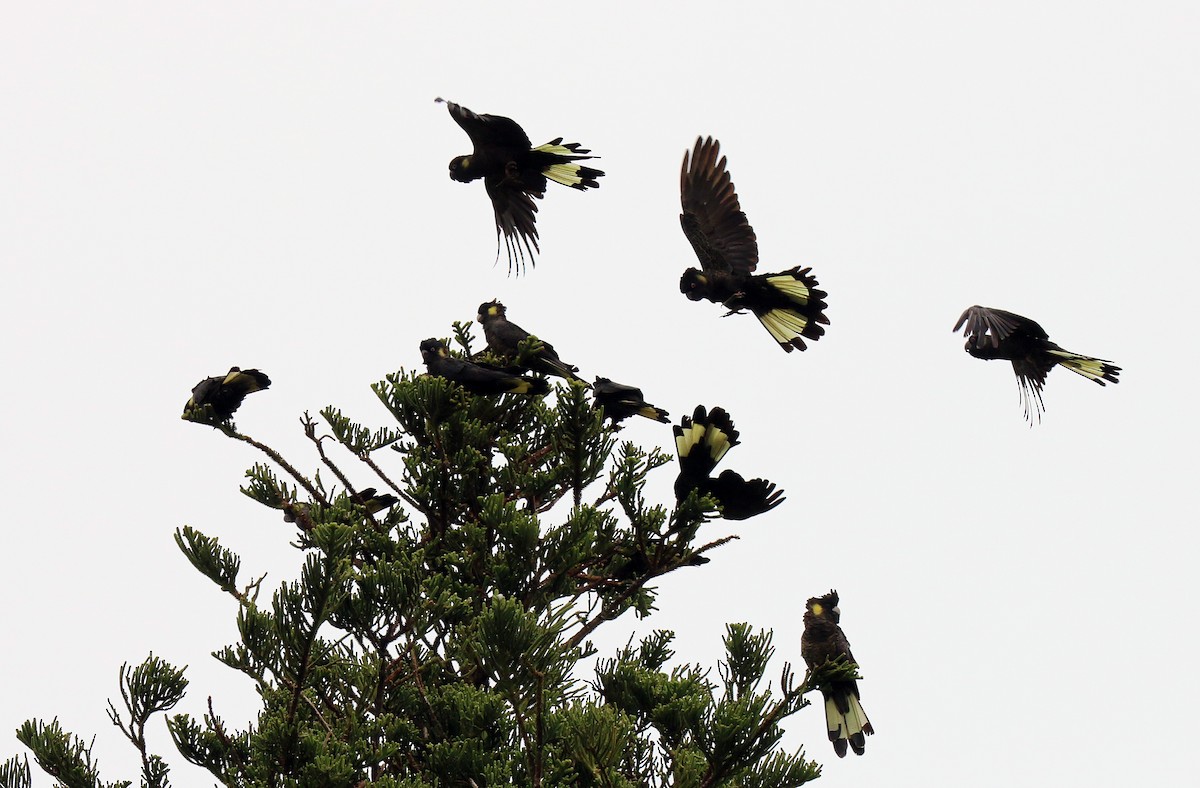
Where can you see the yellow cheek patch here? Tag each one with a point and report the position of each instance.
(817, 609)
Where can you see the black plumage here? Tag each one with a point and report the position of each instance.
(822, 642)
(475, 378)
(701, 441)
(996, 334)
(515, 174)
(504, 338)
(620, 402)
(788, 304)
(372, 501)
(224, 393)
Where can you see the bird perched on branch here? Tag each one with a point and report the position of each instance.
(701, 441)
(475, 378)
(374, 502)
(620, 402)
(505, 338)
(996, 334)
(224, 393)
(514, 174)
(788, 304)
(822, 642)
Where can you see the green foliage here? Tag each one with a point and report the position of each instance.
(61, 755)
(433, 634)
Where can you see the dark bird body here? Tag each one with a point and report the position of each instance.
(372, 501)
(701, 441)
(823, 641)
(515, 174)
(996, 334)
(620, 402)
(788, 304)
(504, 338)
(225, 393)
(475, 378)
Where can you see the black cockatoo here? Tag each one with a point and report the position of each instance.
(788, 304)
(515, 174)
(996, 334)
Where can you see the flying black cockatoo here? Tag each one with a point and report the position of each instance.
(788, 304)
(823, 641)
(994, 333)
(224, 393)
(475, 378)
(504, 339)
(701, 442)
(514, 174)
(620, 402)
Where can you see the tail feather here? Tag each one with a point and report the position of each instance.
(554, 366)
(657, 414)
(787, 326)
(804, 315)
(713, 430)
(562, 168)
(793, 288)
(1096, 369)
(537, 386)
(846, 722)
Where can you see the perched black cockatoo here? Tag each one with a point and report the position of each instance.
(788, 304)
(475, 378)
(373, 501)
(504, 339)
(620, 402)
(514, 174)
(224, 393)
(701, 442)
(994, 333)
(823, 641)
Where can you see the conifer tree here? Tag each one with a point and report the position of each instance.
(433, 634)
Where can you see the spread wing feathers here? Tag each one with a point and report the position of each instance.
(996, 334)
(741, 499)
(802, 315)
(1031, 378)
(712, 218)
(620, 402)
(992, 326)
(701, 442)
(561, 166)
(516, 228)
(846, 721)
(1096, 369)
(487, 130)
(712, 431)
(225, 393)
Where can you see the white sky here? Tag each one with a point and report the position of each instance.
(185, 187)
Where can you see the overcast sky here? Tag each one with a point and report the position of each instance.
(186, 187)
